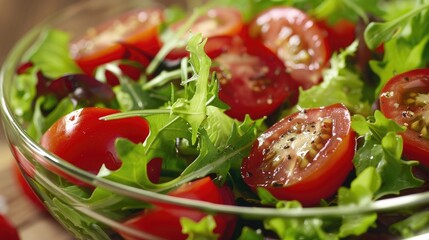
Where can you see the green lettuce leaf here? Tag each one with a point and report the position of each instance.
(202, 230)
(250, 234)
(382, 150)
(51, 54)
(40, 123)
(23, 94)
(405, 43)
(361, 192)
(378, 33)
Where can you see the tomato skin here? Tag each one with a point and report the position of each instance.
(294, 136)
(141, 31)
(164, 220)
(220, 21)
(339, 34)
(7, 230)
(296, 39)
(253, 80)
(87, 142)
(394, 104)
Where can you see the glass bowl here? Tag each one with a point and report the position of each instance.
(89, 222)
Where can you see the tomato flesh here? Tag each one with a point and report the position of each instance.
(88, 142)
(103, 44)
(296, 39)
(164, 220)
(252, 79)
(305, 156)
(405, 99)
(339, 34)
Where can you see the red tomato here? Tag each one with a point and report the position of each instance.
(339, 34)
(305, 156)
(164, 220)
(217, 22)
(7, 230)
(87, 142)
(405, 99)
(253, 80)
(296, 39)
(26, 188)
(108, 41)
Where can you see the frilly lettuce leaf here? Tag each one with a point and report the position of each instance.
(382, 150)
(203, 229)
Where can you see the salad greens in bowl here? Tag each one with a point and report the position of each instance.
(225, 119)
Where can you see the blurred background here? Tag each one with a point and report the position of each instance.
(16, 18)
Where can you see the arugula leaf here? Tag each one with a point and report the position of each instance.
(51, 54)
(380, 32)
(340, 85)
(382, 149)
(202, 230)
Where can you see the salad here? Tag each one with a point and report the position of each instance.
(275, 104)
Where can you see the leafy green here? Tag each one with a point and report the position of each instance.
(79, 224)
(362, 191)
(51, 54)
(405, 43)
(340, 85)
(41, 123)
(416, 224)
(194, 109)
(333, 10)
(23, 94)
(382, 150)
(400, 56)
(250, 234)
(202, 230)
(380, 32)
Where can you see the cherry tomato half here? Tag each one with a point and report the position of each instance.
(305, 156)
(7, 230)
(405, 99)
(296, 39)
(339, 34)
(216, 22)
(164, 220)
(88, 142)
(253, 80)
(108, 41)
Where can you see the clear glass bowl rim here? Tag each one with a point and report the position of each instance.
(6, 76)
